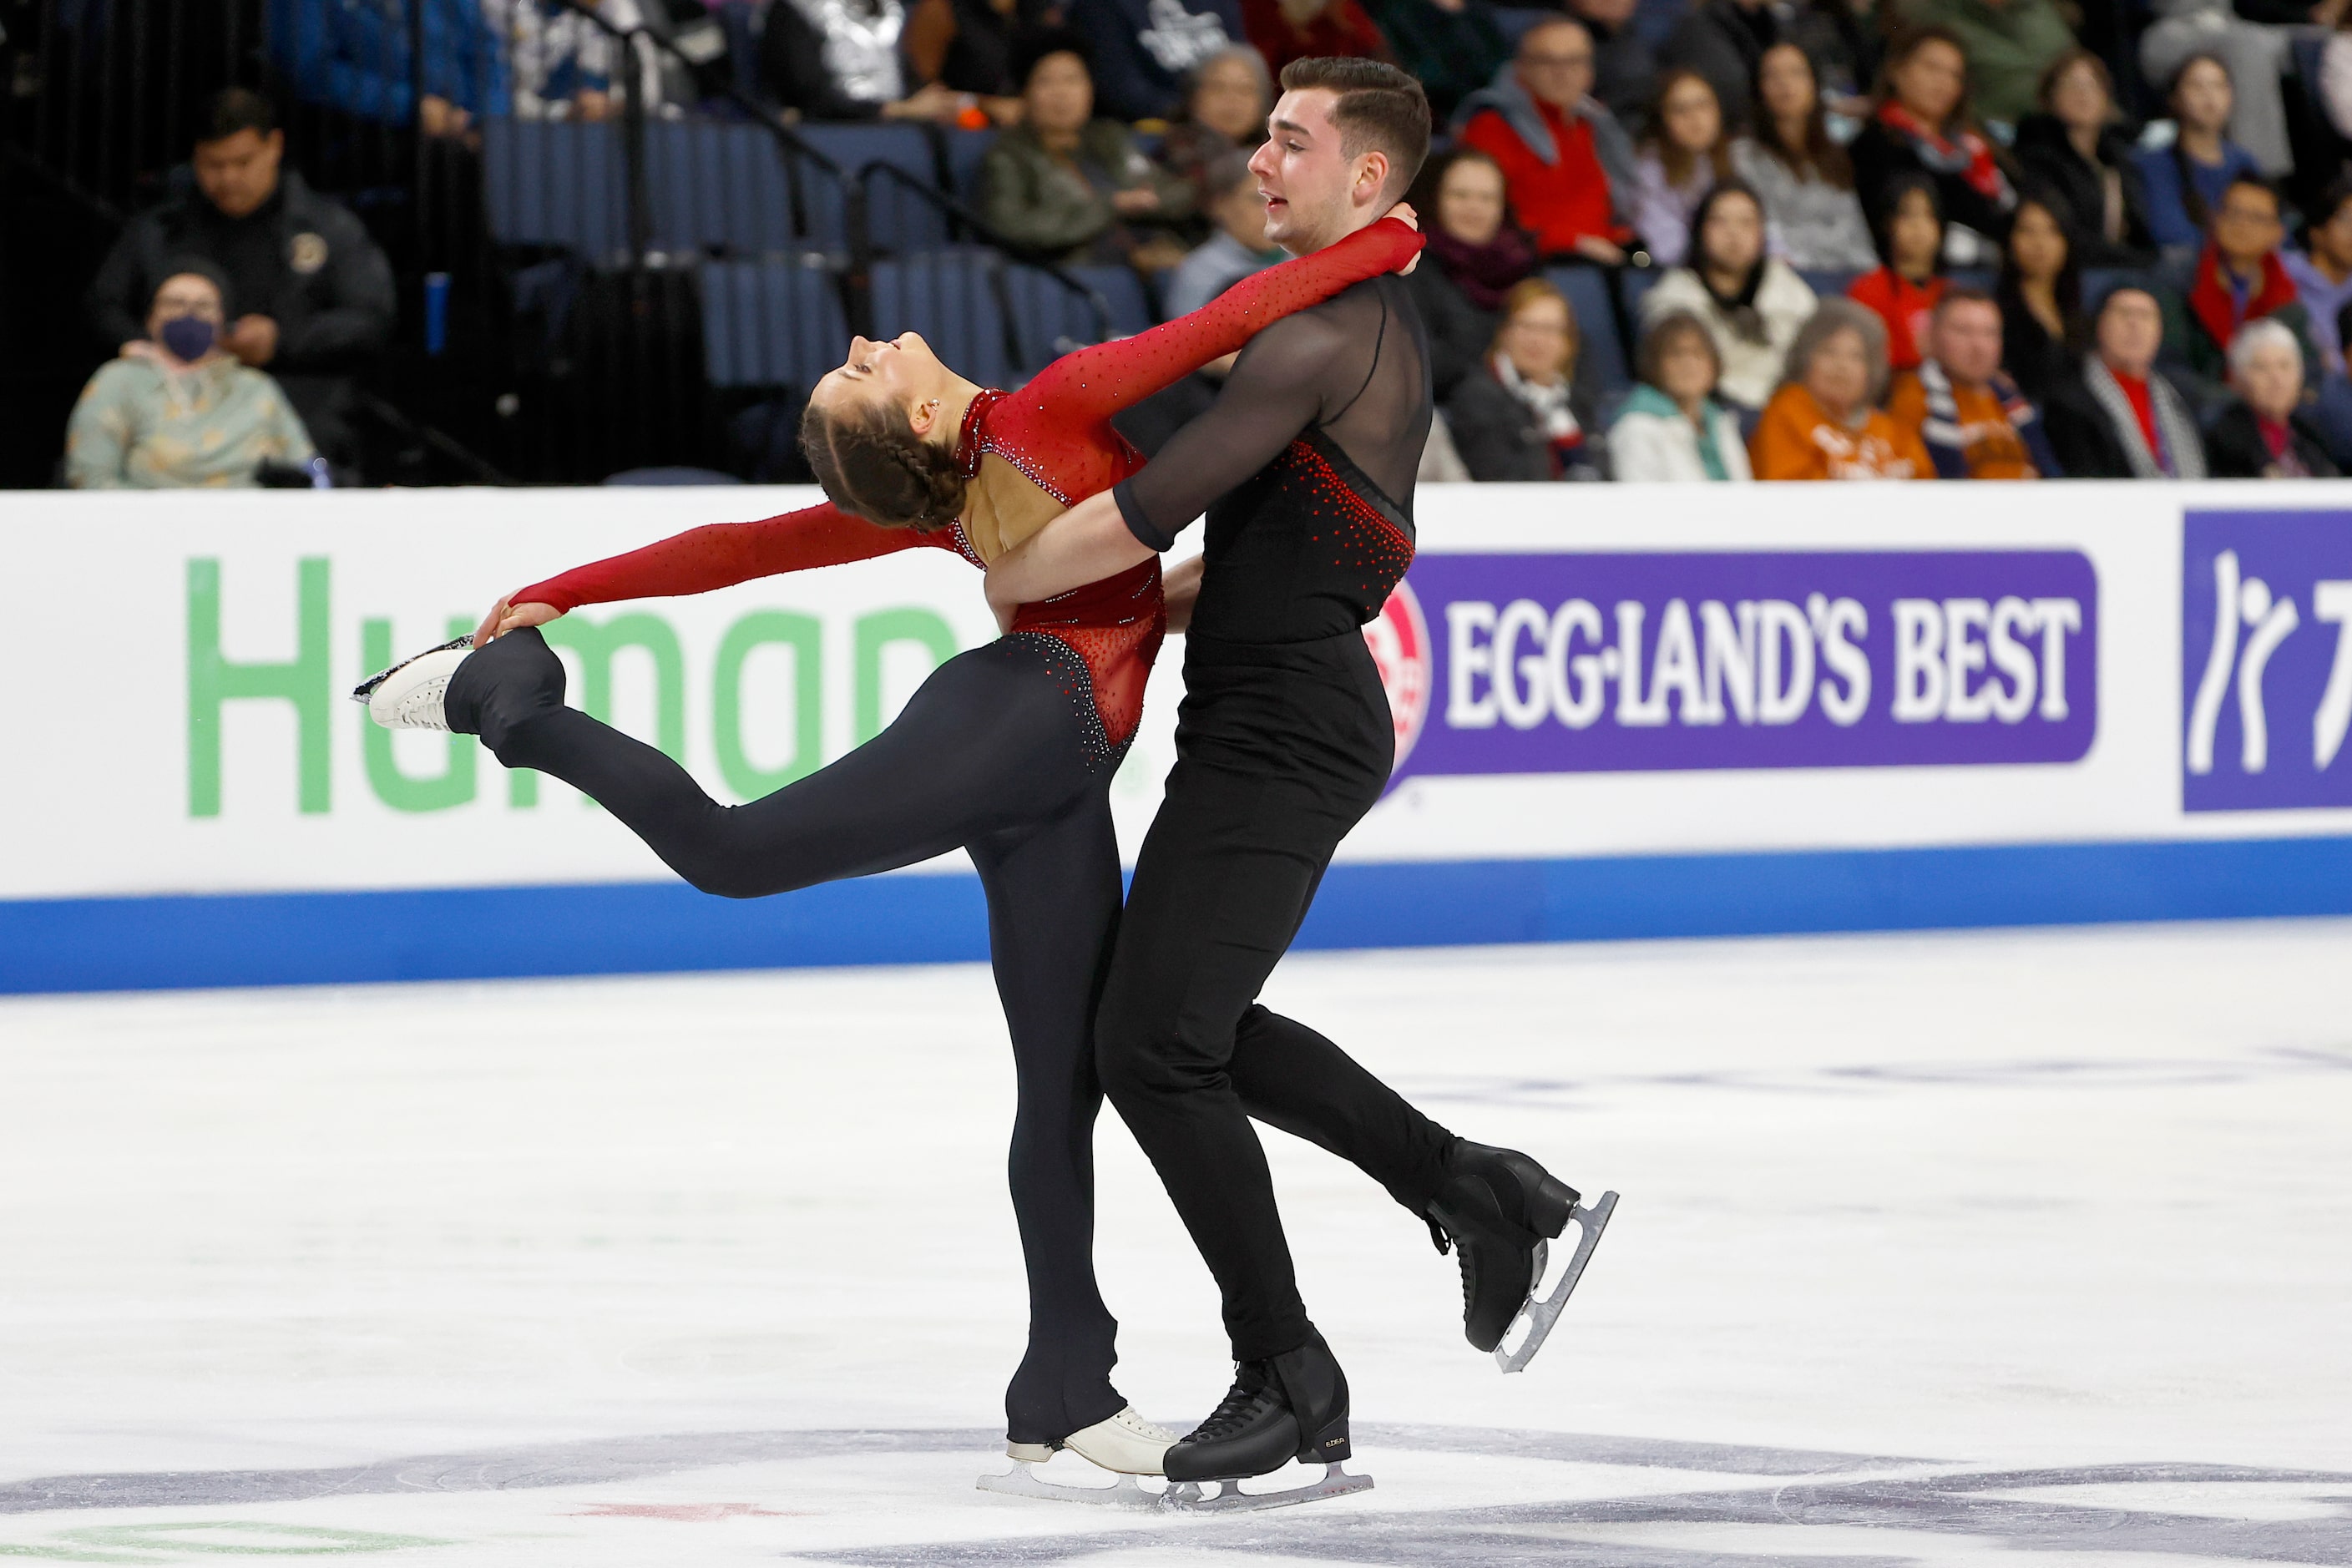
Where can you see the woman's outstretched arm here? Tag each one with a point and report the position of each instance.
(1091, 385)
(702, 559)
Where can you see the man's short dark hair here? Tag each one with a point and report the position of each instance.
(2331, 201)
(1963, 296)
(1378, 106)
(2254, 181)
(232, 110)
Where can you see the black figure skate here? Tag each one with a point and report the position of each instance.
(1498, 1213)
(1291, 1406)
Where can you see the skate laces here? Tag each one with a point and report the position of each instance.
(1241, 1406)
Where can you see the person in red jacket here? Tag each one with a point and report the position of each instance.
(1567, 164)
(1288, 30)
(1905, 292)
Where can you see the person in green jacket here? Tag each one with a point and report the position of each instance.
(1063, 185)
(2010, 43)
(177, 410)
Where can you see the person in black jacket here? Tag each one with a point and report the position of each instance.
(2262, 434)
(315, 291)
(1921, 124)
(1474, 255)
(846, 62)
(2040, 298)
(1518, 418)
(2119, 418)
(2076, 148)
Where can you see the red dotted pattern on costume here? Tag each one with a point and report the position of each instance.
(1114, 627)
(1365, 544)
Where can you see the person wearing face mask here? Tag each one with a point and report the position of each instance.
(315, 294)
(177, 410)
(2263, 434)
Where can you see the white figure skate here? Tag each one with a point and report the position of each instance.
(1126, 1445)
(408, 695)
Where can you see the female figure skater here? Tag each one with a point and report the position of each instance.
(1006, 750)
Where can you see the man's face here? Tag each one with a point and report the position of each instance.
(1555, 63)
(2247, 227)
(1315, 194)
(2131, 329)
(239, 173)
(1967, 341)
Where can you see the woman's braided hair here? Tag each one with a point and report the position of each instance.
(872, 464)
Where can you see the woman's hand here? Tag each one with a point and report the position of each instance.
(505, 617)
(1182, 584)
(1403, 212)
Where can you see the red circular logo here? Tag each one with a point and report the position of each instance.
(1399, 639)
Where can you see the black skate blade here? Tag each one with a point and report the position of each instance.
(1021, 1481)
(366, 688)
(1190, 1497)
(1539, 1316)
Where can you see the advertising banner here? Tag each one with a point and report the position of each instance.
(1619, 710)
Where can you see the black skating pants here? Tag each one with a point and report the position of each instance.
(990, 755)
(1280, 751)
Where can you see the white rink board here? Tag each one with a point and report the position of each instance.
(95, 620)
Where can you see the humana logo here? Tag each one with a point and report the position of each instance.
(308, 683)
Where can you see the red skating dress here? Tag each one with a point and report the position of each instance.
(1030, 455)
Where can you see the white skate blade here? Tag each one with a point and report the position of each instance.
(1021, 1480)
(408, 695)
(1191, 1497)
(1539, 1316)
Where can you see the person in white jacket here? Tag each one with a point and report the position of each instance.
(1671, 430)
(1752, 304)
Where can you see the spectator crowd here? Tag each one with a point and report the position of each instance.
(1703, 240)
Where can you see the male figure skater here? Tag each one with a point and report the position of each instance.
(1304, 467)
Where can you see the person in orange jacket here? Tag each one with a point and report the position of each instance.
(1825, 423)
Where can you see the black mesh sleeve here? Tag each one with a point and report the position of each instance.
(1282, 384)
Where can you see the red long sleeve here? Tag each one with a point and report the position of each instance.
(1087, 387)
(726, 553)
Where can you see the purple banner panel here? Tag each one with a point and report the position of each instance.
(1557, 664)
(2266, 660)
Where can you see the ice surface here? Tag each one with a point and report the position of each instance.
(1972, 1249)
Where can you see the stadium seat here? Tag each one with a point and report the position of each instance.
(967, 151)
(1587, 289)
(717, 184)
(1829, 285)
(776, 323)
(1049, 318)
(555, 182)
(1515, 21)
(852, 148)
(1633, 282)
(950, 296)
(2098, 282)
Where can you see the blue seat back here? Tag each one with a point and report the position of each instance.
(967, 151)
(851, 148)
(950, 296)
(773, 323)
(555, 182)
(720, 185)
(1603, 351)
(1829, 285)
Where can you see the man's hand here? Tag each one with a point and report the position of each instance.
(590, 104)
(1594, 248)
(254, 339)
(505, 617)
(1135, 203)
(436, 116)
(1086, 545)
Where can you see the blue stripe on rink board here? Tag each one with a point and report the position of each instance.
(278, 938)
